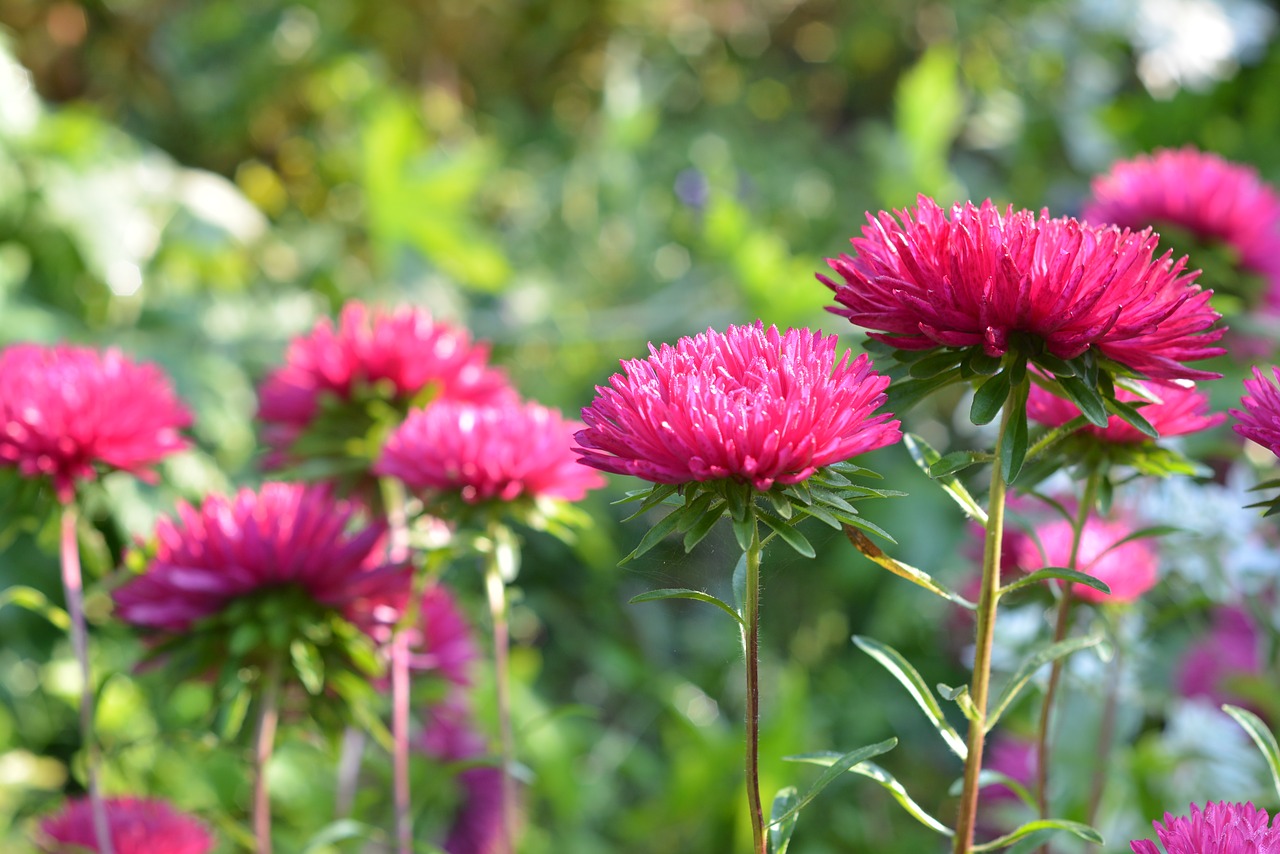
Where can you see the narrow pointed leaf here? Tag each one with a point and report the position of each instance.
(788, 534)
(884, 778)
(1084, 831)
(956, 461)
(823, 515)
(851, 521)
(838, 767)
(1029, 667)
(660, 493)
(1013, 449)
(693, 510)
(876, 555)
(925, 456)
(960, 696)
(1262, 736)
(1130, 415)
(781, 505)
(898, 666)
(989, 399)
(338, 831)
(784, 803)
(902, 395)
(1144, 533)
(743, 530)
(1059, 572)
(37, 603)
(705, 523)
(935, 363)
(685, 593)
(656, 534)
(1086, 398)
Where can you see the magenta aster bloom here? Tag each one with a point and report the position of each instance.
(1259, 421)
(751, 404)
(1214, 199)
(1180, 411)
(977, 277)
(1230, 648)
(282, 536)
(66, 410)
(138, 826)
(1221, 829)
(397, 355)
(1128, 569)
(504, 452)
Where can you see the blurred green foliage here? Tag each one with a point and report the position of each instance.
(198, 181)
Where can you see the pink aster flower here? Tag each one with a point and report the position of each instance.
(405, 350)
(1212, 198)
(752, 404)
(1128, 569)
(1221, 829)
(501, 453)
(441, 642)
(974, 276)
(66, 410)
(1259, 421)
(138, 826)
(1015, 758)
(282, 535)
(1230, 648)
(1180, 411)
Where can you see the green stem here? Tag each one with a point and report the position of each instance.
(397, 552)
(264, 744)
(1061, 627)
(73, 587)
(751, 605)
(1106, 731)
(496, 588)
(986, 615)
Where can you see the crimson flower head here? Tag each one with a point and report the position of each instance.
(1181, 410)
(976, 277)
(1129, 569)
(1220, 829)
(138, 826)
(750, 404)
(65, 411)
(399, 357)
(1213, 199)
(492, 453)
(1259, 421)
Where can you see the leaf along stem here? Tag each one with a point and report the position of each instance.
(496, 589)
(1106, 731)
(751, 605)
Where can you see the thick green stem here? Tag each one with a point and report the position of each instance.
(986, 615)
(264, 744)
(751, 606)
(496, 588)
(73, 587)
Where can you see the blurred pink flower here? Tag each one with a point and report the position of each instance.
(1259, 421)
(64, 410)
(1212, 198)
(138, 826)
(1181, 410)
(979, 277)
(501, 452)
(280, 536)
(750, 404)
(1128, 569)
(1221, 829)
(1015, 758)
(1230, 648)
(447, 736)
(405, 349)
(441, 641)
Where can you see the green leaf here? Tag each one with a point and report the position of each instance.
(784, 803)
(901, 396)
(1262, 736)
(1030, 665)
(876, 555)
(988, 777)
(978, 362)
(956, 461)
(744, 531)
(853, 521)
(1084, 831)
(779, 502)
(685, 593)
(925, 457)
(37, 603)
(1059, 572)
(960, 696)
(989, 398)
(694, 507)
(838, 767)
(1086, 398)
(1131, 416)
(1013, 448)
(703, 525)
(822, 515)
(884, 778)
(656, 534)
(1144, 533)
(935, 363)
(898, 666)
(339, 831)
(309, 665)
(788, 534)
(655, 496)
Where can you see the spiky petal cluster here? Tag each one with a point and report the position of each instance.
(1180, 411)
(1221, 829)
(493, 453)
(1260, 418)
(1129, 569)
(1214, 199)
(66, 410)
(752, 404)
(280, 536)
(138, 826)
(406, 349)
(975, 276)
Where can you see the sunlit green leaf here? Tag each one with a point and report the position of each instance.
(884, 778)
(1028, 668)
(837, 767)
(784, 804)
(685, 593)
(902, 670)
(1262, 736)
(1057, 572)
(925, 457)
(1083, 831)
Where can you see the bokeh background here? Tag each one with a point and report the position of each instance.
(199, 181)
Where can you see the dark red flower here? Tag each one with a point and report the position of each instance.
(138, 826)
(1181, 410)
(66, 410)
(977, 277)
(1221, 829)
(750, 404)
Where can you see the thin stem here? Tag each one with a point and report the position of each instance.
(73, 587)
(397, 552)
(264, 744)
(496, 588)
(751, 605)
(349, 757)
(1106, 732)
(1060, 629)
(984, 642)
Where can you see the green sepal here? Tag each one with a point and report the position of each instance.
(1013, 447)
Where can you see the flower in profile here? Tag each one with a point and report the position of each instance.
(1128, 568)
(65, 411)
(1259, 421)
(399, 357)
(751, 404)
(138, 826)
(977, 277)
(491, 453)
(283, 537)
(1229, 649)
(1180, 411)
(1215, 200)
(1220, 829)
